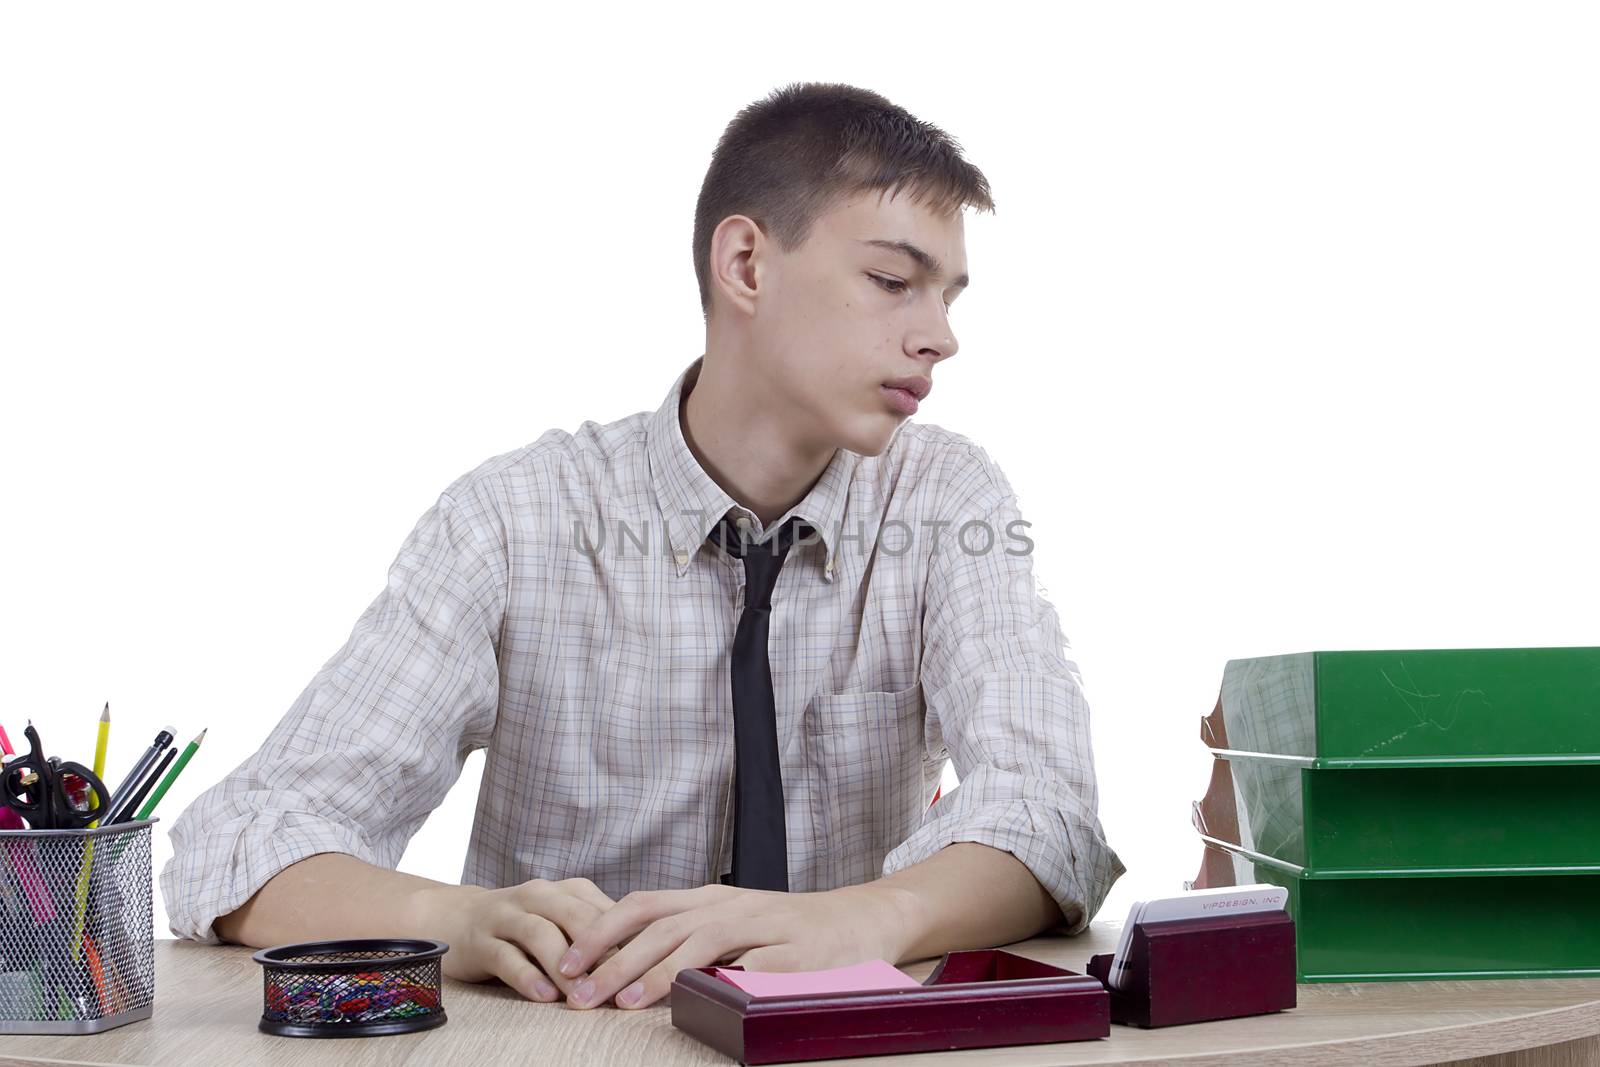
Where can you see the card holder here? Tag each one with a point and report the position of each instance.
(973, 999)
(1194, 970)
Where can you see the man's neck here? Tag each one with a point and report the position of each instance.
(743, 443)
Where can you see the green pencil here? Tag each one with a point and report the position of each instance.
(172, 776)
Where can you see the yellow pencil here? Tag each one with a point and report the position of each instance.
(100, 753)
(81, 890)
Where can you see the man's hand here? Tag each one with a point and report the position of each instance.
(503, 933)
(760, 930)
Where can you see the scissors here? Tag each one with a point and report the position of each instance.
(35, 788)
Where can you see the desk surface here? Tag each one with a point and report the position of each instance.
(208, 1001)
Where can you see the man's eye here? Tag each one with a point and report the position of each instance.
(894, 285)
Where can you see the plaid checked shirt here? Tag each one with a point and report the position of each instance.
(561, 606)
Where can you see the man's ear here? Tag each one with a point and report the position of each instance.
(738, 249)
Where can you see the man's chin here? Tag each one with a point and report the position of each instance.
(874, 436)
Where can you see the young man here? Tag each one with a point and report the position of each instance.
(718, 653)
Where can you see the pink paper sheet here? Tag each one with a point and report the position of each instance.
(874, 974)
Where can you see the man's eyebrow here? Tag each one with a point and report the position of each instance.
(924, 260)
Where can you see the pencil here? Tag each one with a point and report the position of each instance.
(172, 776)
(80, 892)
(80, 899)
(100, 754)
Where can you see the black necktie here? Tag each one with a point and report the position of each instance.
(760, 850)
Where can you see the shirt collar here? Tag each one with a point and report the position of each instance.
(692, 503)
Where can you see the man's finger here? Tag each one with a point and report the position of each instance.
(512, 966)
(630, 915)
(709, 944)
(541, 940)
(587, 891)
(768, 958)
(572, 913)
(654, 943)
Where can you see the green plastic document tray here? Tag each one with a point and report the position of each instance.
(1412, 708)
(1394, 820)
(1419, 927)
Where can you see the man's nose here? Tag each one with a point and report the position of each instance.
(935, 338)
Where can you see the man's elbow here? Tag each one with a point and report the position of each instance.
(227, 926)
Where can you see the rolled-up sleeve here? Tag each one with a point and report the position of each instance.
(376, 739)
(998, 685)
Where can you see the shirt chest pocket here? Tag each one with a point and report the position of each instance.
(866, 755)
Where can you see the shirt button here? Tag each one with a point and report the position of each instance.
(683, 557)
(743, 522)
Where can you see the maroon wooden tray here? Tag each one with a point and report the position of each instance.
(973, 999)
(1194, 970)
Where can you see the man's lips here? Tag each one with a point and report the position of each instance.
(904, 393)
(917, 387)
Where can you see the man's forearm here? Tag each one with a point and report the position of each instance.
(327, 896)
(967, 895)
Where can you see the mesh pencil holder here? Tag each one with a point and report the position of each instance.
(77, 949)
(364, 987)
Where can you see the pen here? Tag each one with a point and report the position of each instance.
(125, 813)
(136, 776)
(5, 743)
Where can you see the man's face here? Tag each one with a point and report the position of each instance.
(842, 315)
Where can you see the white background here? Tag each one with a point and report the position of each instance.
(1283, 329)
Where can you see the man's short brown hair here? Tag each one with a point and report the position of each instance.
(786, 159)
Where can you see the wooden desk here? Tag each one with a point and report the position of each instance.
(208, 1001)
